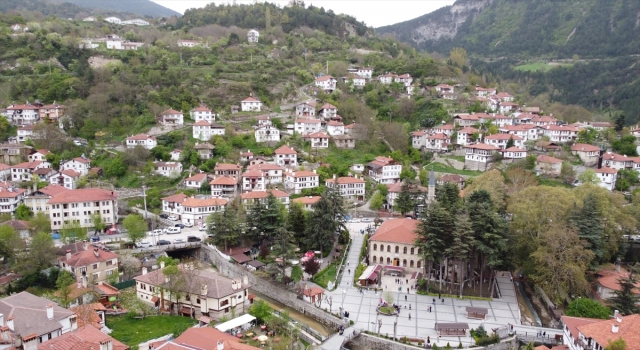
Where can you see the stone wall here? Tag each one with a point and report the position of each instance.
(370, 342)
(268, 288)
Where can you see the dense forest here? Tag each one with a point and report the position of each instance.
(266, 15)
(145, 8)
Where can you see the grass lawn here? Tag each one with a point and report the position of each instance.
(133, 331)
(329, 274)
(443, 168)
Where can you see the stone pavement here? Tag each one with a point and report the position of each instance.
(362, 306)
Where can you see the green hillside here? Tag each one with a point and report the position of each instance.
(145, 8)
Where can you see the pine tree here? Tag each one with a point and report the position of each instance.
(224, 227)
(272, 217)
(296, 222)
(461, 245)
(448, 195)
(510, 143)
(434, 228)
(405, 202)
(587, 221)
(321, 225)
(619, 123)
(626, 299)
(283, 249)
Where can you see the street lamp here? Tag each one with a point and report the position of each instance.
(144, 196)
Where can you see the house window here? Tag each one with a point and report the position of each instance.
(374, 259)
(397, 249)
(95, 266)
(375, 247)
(412, 251)
(388, 249)
(110, 272)
(198, 301)
(404, 250)
(187, 297)
(224, 302)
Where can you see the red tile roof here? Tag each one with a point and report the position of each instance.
(88, 257)
(285, 149)
(346, 180)
(197, 177)
(308, 200)
(141, 137)
(418, 133)
(264, 167)
(264, 194)
(176, 198)
(606, 170)
(53, 189)
(226, 166)
(207, 338)
(28, 165)
(83, 195)
(83, 338)
(224, 180)
(438, 137)
(250, 99)
(324, 78)
(609, 279)
(201, 108)
(206, 202)
(308, 121)
(316, 135)
(328, 106)
(583, 147)
(601, 332)
(503, 137)
(170, 111)
(467, 130)
(396, 231)
(483, 146)
(301, 173)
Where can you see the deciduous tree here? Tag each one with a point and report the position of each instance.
(136, 227)
(586, 307)
(223, 227)
(492, 182)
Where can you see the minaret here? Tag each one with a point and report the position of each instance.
(431, 190)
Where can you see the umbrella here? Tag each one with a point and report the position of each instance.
(239, 335)
(263, 327)
(263, 338)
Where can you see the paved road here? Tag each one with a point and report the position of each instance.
(362, 306)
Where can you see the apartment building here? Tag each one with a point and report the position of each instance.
(78, 206)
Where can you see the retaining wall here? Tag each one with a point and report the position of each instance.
(370, 342)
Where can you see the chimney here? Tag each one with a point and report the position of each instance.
(50, 311)
(614, 328)
(220, 345)
(10, 323)
(314, 171)
(96, 252)
(204, 289)
(245, 279)
(162, 264)
(86, 245)
(144, 270)
(4, 334)
(233, 285)
(615, 314)
(68, 255)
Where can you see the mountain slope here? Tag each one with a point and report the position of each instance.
(524, 28)
(139, 7)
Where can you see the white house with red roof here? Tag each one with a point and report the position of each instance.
(39, 154)
(196, 210)
(297, 181)
(485, 92)
(80, 164)
(267, 133)
(447, 129)
(204, 130)
(479, 156)
(352, 188)
(560, 133)
(393, 244)
(384, 170)
(512, 154)
(328, 111)
(22, 114)
(465, 119)
(196, 181)
(543, 120)
(67, 178)
(608, 177)
(10, 197)
(24, 171)
(5, 171)
(589, 154)
(326, 83)
(251, 104)
(38, 200)
(437, 143)
(357, 80)
(254, 180)
(168, 169)
(335, 128)
(78, 205)
(525, 131)
(364, 72)
(581, 333)
(618, 161)
(273, 172)
(227, 169)
(547, 165)
(386, 78)
(307, 126)
(635, 132)
(505, 97)
(501, 140)
(173, 204)
(307, 202)
(144, 140)
(465, 135)
(286, 156)
(87, 337)
(508, 107)
(404, 79)
(306, 109)
(86, 261)
(317, 139)
(418, 139)
(24, 133)
(250, 198)
(203, 112)
(444, 88)
(175, 154)
(224, 186)
(171, 117)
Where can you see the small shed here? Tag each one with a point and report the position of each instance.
(477, 312)
(456, 329)
(240, 258)
(313, 294)
(254, 265)
(370, 276)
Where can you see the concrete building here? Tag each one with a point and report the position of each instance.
(80, 164)
(251, 104)
(267, 134)
(168, 169)
(286, 156)
(143, 140)
(201, 113)
(306, 109)
(78, 206)
(352, 188)
(196, 210)
(38, 200)
(297, 181)
(393, 245)
(86, 261)
(588, 154)
(479, 156)
(171, 117)
(384, 170)
(204, 130)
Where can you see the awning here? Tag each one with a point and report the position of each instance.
(186, 310)
(236, 322)
(155, 299)
(373, 276)
(251, 296)
(416, 276)
(396, 268)
(240, 258)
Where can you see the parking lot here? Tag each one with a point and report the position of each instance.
(181, 237)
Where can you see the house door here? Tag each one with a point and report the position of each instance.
(396, 262)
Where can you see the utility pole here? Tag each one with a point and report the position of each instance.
(144, 195)
(327, 67)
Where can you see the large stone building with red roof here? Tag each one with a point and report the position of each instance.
(393, 245)
(204, 338)
(87, 261)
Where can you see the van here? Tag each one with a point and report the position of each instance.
(173, 230)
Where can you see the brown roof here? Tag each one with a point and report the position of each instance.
(606, 170)
(176, 198)
(439, 136)
(601, 332)
(397, 187)
(548, 159)
(483, 146)
(418, 133)
(105, 288)
(307, 200)
(467, 130)
(264, 194)
(302, 173)
(285, 149)
(208, 202)
(264, 167)
(70, 172)
(88, 257)
(88, 312)
(226, 166)
(171, 111)
(141, 137)
(313, 291)
(84, 338)
(197, 177)
(396, 231)
(308, 121)
(224, 180)
(610, 278)
(452, 178)
(573, 322)
(583, 147)
(201, 108)
(346, 180)
(328, 106)
(29, 314)
(17, 225)
(253, 173)
(83, 195)
(207, 338)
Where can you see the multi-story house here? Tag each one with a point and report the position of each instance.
(384, 170)
(547, 165)
(267, 134)
(297, 181)
(418, 139)
(286, 156)
(364, 72)
(404, 79)
(447, 129)
(171, 117)
(273, 172)
(254, 197)
(172, 205)
(5, 172)
(65, 178)
(227, 169)
(307, 202)
(352, 188)
(464, 120)
(306, 109)
(80, 164)
(29, 321)
(525, 131)
(38, 200)
(356, 80)
(87, 261)
(344, 141)
(386, 78)
(618, 161)
(168, 169)
(114, 20)
(224, 186)
(393, 245)
(512, 154)
(254, 180)
(501, 140)
(12, 153)
(335, 128)
(465, 135)
(87, 337)
(196, 181)
(437, 143)
(196, 210)
(485, 92)
(589, 154)
(212, 294)
(264, 120)
(326, 83)
(24, 171)
(78, 206)
(250, 104)
(25, 132)
(204, 130)
(201, 113)
(52, 112)
(508, 107)
(22, 114)
(595, 334)
(144, 140)
(542, 120)
(608, 177)
(393, 190)
(479, 156)
(39, 154)
(317, 139)
(204, 150)
(10, 197)
(307, 126)
(560, 133)
(444, 88)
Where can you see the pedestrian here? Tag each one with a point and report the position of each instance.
(429, 340)
(439, 295)
(409, 315)
(409, 306)
(434, 301)
(544, 334)
(511, 278)
(443, 300)
(407, 281)
(405, 298)
(349, 271)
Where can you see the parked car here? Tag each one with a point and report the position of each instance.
(203, 228)
(157, 232)
(77, 143)
(188, 224)
(193, 239)
(172, 230)
(367, 220)
(163, 242)
(180, 226)
(143, 244)
(172, 218)
(163, 216)
(95, 238)
(178, 241)
(355, 220)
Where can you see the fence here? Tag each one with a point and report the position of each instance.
(124, 284)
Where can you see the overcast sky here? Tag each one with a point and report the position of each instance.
(375, 13)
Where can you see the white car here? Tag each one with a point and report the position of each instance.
(173, 230)
(203, 228)
(179, 240)
(367, 220)
(143, 244)
(187, 224)
(77, 143)
(157, 232)
(172, 218)
(355, 220)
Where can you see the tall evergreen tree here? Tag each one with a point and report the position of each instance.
(321, 225)
(510, 142)
(588, 221)
(272, 218)
(626, 299)
(448, 195)
(434, 228)
(296, 223)
(619, 123)
(283, 249)
(405, 202)
(224, 227)
(461, 244)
